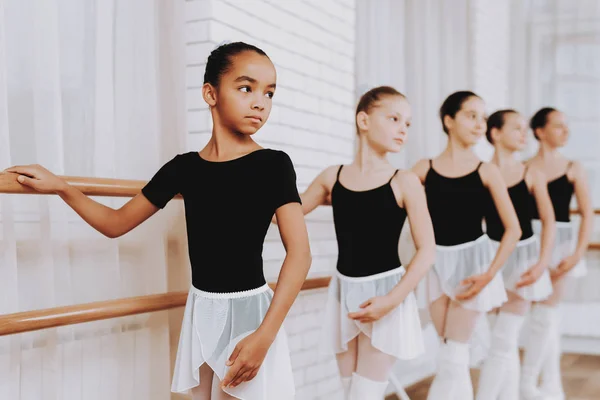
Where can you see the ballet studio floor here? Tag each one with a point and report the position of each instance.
(581, 379)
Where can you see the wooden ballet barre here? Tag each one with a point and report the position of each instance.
(106, 187)
(578, 211)
(70, 315)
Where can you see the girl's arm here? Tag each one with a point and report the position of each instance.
(490, 174)
(539, 188)
(249, 353)
(421, 168)
(415, 203)
(584, 203)
(108, 221)
(317, 193)
(294, 270)
(412, 198)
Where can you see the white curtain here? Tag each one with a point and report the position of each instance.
(422, 48)
(87, 88)
(556, 62)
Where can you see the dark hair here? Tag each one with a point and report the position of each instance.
(369, 99)
(453, 104)
(540, 119)
(220, 60)
(497, 120)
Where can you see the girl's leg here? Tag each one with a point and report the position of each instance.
(373, 363)
(542, 348)
(499, 377)
(460, 323)
(217, 393)
(453, 379)
(202, 391)
(373, 368)
(438, 311)
(558, 291)
(347, 365)
(551, 376)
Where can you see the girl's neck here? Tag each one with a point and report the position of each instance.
(504, 157)
(368, 159)
(548, 154)
(225, 144)
(456, 150)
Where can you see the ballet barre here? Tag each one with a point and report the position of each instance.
(75, 314)
(578, 211)
(105, 187)
(108, 187)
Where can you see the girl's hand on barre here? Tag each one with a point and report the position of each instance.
(38, 178)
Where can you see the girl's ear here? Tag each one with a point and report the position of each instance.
(209, 93)
(448, 122)
(362, 121)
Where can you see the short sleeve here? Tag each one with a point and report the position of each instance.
(286, 190)
(165, 184)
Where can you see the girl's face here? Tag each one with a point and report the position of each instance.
(469, 123)
(555, 132)
(244, 96)
(386, 124)
(513, 135)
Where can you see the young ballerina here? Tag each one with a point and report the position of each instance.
(525, 273)
(464, 282)
(232, 321)
(564, 178)
(371, 318)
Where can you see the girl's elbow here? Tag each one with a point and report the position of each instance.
(116, 224)
(588, 215)
(117, 228)
(112, 233)
(303, 255)
(517, 232)
(431, 255)
(308, 256)
(429, 252)
(550, 227)
(305, 209)
(547, 219)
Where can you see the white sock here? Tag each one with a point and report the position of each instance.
(501, 359)
(542, 324)
(366, 389)
(551, 385)
(510, 391)
(453, 379)
(346, 381)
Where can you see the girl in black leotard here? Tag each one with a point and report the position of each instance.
(565, 178)
(371, 318)
(231, 343)
(525, 273)
(464, 282)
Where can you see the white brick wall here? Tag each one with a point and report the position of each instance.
(312, 46)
